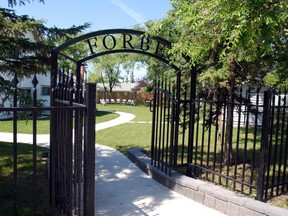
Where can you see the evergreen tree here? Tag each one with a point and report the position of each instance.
(26, 43)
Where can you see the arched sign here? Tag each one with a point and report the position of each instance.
(114, 41)
(119, 40)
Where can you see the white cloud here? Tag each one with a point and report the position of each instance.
(129, 11)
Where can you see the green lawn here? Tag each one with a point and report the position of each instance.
(102, 116)
(142, 113)
(24, 181)
(127, 135)
(43, 125)
(25, 126)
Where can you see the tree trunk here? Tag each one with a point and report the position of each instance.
(229, 130)
(228, 157)
(102, 78)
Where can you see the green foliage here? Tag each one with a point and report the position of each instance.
(129, 61)
(108, 69)
(12, 3)
(247, 38)
(27, 101)
(5, 90)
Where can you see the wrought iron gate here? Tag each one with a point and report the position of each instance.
(173, 101)
(72, 145)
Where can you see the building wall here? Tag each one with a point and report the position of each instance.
(43, 87)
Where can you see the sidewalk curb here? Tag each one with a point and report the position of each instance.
(205, 193)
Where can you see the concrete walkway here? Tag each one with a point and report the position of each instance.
(122, 189)
(43, 140)
(123, 118)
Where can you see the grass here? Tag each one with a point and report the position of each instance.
(102, 116)
(280, 201)
(122, 138)
(142, 113)
(43, 125)
(24, 181)
(25, 126)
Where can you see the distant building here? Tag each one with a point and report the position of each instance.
(122, 87)
(43, 87)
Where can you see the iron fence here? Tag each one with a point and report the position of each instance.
(72, 151)
(239, 142)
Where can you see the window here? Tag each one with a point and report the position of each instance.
(45, 91)
(26, 92)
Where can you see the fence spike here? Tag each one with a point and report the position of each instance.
(15, 80)
(35, 81)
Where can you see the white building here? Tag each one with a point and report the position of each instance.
(43, 87)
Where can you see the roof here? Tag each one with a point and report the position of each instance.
(122, 87)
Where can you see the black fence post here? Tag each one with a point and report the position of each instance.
(53, 125)
(89, 149)
(264, 144)
(193, 81)
(153, 110)
(176, 116)
(15, 146)
(34, 114)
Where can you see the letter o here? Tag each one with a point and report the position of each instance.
(105, 42)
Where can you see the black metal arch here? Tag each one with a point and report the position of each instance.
(58, 50)
(106, 32)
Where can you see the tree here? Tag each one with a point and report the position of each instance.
(12, 3)
(109, 70)
(229, 35)
(144, 85)
(25, 46)
(230, 42)
(26, 43)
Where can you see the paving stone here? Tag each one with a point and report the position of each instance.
(221, 205)
(256, 206)
(199, 197)
(209, 201)
(245, 212)
(232, 209)
(190, 193)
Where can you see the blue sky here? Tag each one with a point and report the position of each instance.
(102, 14)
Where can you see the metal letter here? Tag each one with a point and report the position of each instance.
(125, 41)
(160, 49)
(113, 42)
(91, 46)
(145, 44)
